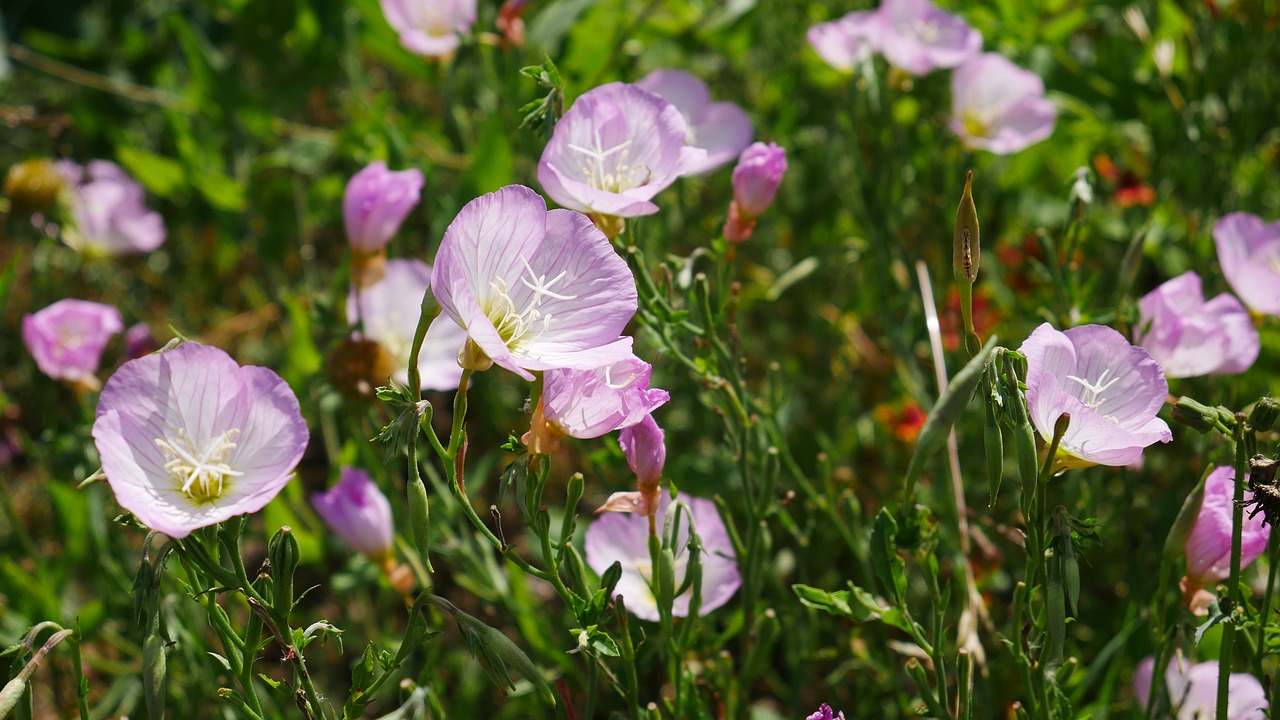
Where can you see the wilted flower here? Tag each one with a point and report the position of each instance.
(376, 202)
(625, 539)
(1249, 251)
(67, 339)
(357, 511)
(1191, 337)
(999, 107)
(720, 128)
(616, 147)
(644, 444)
(430, 27)
(826, 713)
(920, 38)
(847, 42)
(389, 311)
(107, 211)
(535, 290)
(188, 438)
(1111, 389)
(1193, 690)
(1208, 547)
(33, 186)
(590, 403)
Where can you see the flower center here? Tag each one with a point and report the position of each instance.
(201, 472)
(610, 170)
(1093, 398)
(608, 379)
(519, 327)
(925, 31)
(975, 125)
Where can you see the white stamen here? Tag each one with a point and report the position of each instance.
(202, 472)
(519, 327)
(622, 176)
(1093, 391)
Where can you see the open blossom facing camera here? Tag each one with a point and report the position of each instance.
(430, 27)
(534, 289)
(188, 438)
(722, 129)
(622, 538)
(389, 311)
(846, 42)
(919, 38)
(1191, 337)
(358, 513)
(616, 147)
(108, 215)
(589, 403)
(1208, 546)
(1193, 690)
(999, 107)
(1111, 389)
(376, 202)
(1249, 250)
(67, 339)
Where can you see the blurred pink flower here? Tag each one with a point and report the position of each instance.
(826, 713)
(139, 341)
(722, 129)
(920, 38)
(376, 203)
(624, 539)
(1111, 389)
(999, 107)
(1208, 547)
(188, 438)
(616, 147)
(1249, 251)
(1191, 337)
(358, 513)
(755, 184)
(535, 290)
(390, 309)
(67, 339)
(848, 41)
(1193, 690)
(108, 216)
(430, 27)
(590, 403)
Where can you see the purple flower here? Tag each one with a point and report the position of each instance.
(67, 339)
(188, 438)
(757, 177)
(535, 290)
(1193, 690)
(357, 511)
(1111, 389)
(1208, 547)
(390, 309)
(847, 42)
(616, 148)
(430, 27)
(826, 713)
(376, 202)
(1249, 251)
(590, 403)
(624, 538)
(107, 211)
(644, 444)
(721, 128)
(139, 341)
(920, 38)
(1191, 337)
(999, 107)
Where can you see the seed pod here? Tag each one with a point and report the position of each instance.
(966, 253)
(420, 519)
(154, 665)
(11, 695)
(282, 551)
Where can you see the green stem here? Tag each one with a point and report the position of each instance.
(1233, 580)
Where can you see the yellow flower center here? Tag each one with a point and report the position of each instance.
(518, 327)
(200, 472)
(610, 170)
(975, 126)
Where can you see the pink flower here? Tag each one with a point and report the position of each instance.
(1191, 337)
(1208, 547)
(67, 338)
(430, 27)
(535, 290)
(1193, 690)
(390, 309)
(625, 539)
(644, 444)
(589, 403)
(107, 211)
(376, 203)
(1249, 251)
(826, 713)
(755, 184)
(1111, 389)
(920, 38)
(188, 438)
(999, 107)
(722, 129)
(357, 511)
(616, 148)
(847, 42)
(139, 341)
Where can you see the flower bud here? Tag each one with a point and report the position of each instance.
(966, 251)
(757, 177)
(154, 670)
(282, 551)
(376, 203)
(32, 186)
(420, 518)
(1194, 415)
(1264, 414)
(11, 695)
(358, 513)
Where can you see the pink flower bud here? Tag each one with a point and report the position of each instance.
(1208, 547)
(756, 178)
(376, 202)
(357, 511)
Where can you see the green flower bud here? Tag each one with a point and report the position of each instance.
(1264, 414)
(11, 695)
(282, 551)
(154, 666)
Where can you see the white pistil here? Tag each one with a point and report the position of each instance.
(1093, 391)
(621, 177)
(202, 472)
(608, 379)
(517, 327)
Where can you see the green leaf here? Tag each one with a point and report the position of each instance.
(161, 175)
(884, 556)
(835, 603)
(221, 191)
